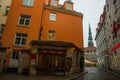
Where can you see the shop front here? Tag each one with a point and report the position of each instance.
(113, 58)
(52, 57)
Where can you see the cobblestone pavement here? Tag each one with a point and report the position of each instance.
(97, 74)
(93, 74)
(14, 76)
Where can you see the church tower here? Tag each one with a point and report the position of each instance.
(90, 38)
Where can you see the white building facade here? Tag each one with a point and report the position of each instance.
(100, 40)
(108, 36)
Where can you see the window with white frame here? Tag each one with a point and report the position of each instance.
(28, 2)
(15, 54)
(51, 35)
(20, 39)
(2, 29)
(24, 20)
(69, 6)
(54, 2)
(7, 10)
(52, 16)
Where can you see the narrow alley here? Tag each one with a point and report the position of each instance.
(97, 74)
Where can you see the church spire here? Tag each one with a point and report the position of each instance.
(90, 38)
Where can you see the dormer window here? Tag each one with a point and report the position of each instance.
(54, 2)
(69, 6)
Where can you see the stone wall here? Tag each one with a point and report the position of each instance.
(75, 61)
(2, 58)
(24, 61)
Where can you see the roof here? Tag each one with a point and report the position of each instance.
(75, 13)
(69, 1)
(55, 44)
(90, 49)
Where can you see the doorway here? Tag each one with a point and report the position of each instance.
(48, 63)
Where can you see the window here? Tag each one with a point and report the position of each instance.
(2, 29)
(114, 1)
(118, 20)
(116, 10)
(20, 39)
(24, 20)
(53, 16)
(15, 54)
(7, 10)
(51, 35)
(0, 7)
(69, 6)
(28, 2)
(54, 2)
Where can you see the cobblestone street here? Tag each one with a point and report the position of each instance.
(92, 74)
(13, 76)
(97, 74)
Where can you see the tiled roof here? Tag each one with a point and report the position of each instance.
(90, 49)
(63, 10)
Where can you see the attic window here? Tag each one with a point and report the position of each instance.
(69, 6)
(54, 2)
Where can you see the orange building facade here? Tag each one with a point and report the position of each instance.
(40, 20)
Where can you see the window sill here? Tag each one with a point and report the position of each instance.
(27, 6)
(53, 20)
(24, 26)
(19, 46)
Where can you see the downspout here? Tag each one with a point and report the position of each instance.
(41, 27)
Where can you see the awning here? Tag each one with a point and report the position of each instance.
(55, 44)
(115, 46)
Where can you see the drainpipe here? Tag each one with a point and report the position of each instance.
(40, 33)
(41, 27)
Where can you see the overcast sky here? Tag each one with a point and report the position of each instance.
(91, 9)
